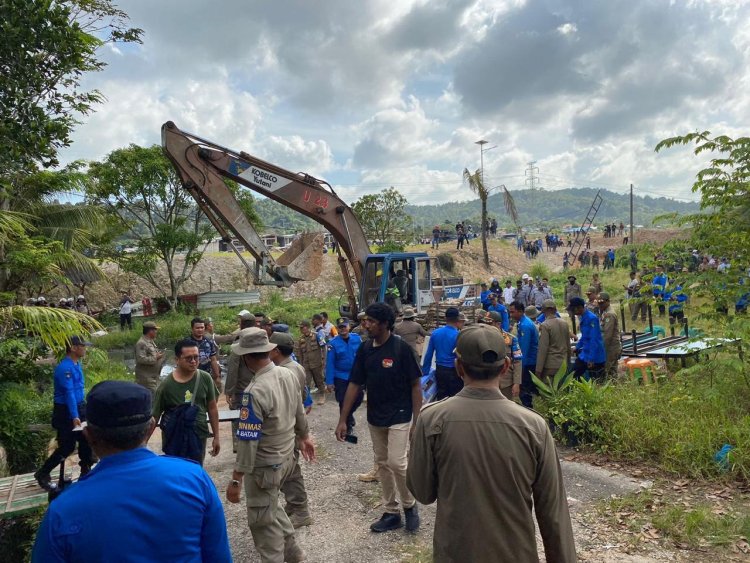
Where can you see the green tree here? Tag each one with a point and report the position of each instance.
(140, 187)
(476, 185)
(382, 215)
(723, 223)
(47, 47)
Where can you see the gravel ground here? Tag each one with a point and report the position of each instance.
(344, 507)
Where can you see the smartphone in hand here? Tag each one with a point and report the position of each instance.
(351, 438)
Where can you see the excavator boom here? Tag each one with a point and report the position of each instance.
(203, 165)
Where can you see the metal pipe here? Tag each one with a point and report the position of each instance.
(634, 335)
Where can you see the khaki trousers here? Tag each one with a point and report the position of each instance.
(269, 524)
(294, 490)
(390, 445)
(316, 375)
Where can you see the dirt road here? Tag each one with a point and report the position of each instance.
(343, 507)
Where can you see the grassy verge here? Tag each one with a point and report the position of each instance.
(176, 325)
(653, 515)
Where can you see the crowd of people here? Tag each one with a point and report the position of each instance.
(270, 380)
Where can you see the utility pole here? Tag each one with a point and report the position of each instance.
(531, 178)
(631, 240)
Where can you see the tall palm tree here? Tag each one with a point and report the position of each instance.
(476, 185)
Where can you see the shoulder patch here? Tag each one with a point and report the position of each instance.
(249, 428)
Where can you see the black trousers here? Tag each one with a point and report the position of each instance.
(126, 318)
(447, 382)
(528, 388)
(596, 372)
(67, 440)
(339, 389)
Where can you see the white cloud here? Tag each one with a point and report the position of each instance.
(378, 93)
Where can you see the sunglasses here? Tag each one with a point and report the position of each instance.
(190, 358)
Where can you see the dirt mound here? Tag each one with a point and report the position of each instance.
(505, 260)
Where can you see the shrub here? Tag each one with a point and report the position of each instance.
(391, 246)
(446, 262)
(539, 270)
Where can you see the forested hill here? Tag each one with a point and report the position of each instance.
(549, 208)
(552, 208)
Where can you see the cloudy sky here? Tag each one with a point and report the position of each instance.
(377, 93)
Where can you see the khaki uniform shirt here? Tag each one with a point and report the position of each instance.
(507, 460)
(299, 373)
(227, 338)
(309, 352)
(147, 366)
(238, 377)
(361, 331)
(554, 346)
(571, 291)
(276, 405)
(412, 333)
(513, 375)
(611, 333)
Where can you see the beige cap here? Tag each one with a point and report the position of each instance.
(251, 341)
(548, 304)
(462, 317)
(409, 313)
(480, 345)
(150, 324)
(531, 312)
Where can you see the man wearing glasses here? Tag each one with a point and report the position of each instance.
(180, 385)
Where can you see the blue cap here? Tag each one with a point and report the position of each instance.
(116, 404)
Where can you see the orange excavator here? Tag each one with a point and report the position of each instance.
(203, 167)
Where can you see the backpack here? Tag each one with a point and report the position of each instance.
(179, 430)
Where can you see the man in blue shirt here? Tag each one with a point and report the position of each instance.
(114, 512)
(496, 305)
(339, 361)
(676, 298)
(484, 296)
(528, 339)
(590, 347)
(659, 287)
(442, 345)
(68, 412)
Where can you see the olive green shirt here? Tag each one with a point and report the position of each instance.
(238, 377)
(277, 406)
(172, 393)
(147, 366)
(489, 463)
(299, 373)
(412, 333)
(611, 333)
(554, 347)
(309, 351)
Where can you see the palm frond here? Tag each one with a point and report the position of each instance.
(70, 224)
(54, 327)
(475, 182)
(13, 223)
(510, 207)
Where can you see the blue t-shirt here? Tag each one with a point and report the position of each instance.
(340, 357)
(591, 344)
(136, 507)
(69, 385)
(528, 339)
(442, 344)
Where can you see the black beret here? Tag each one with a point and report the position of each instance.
(115, 404)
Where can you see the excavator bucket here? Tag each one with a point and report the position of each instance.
(304, 258)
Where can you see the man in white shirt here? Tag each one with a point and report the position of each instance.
(509, 293)
(126, 311)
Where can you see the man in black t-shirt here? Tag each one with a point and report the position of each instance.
(388, 368)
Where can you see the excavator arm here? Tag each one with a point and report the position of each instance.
(202, 166)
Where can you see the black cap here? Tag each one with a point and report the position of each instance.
(576, 302)
(79, 341)
(343, 321)
(117, 404)
(451, 313)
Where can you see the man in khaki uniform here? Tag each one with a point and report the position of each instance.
(148, 358)
(611, 335)
(572, 289)
(271, 415)
(554, 342)
(311, 352)
(411, 331)
(294, 486)
(507, 458)
(510, 381)
(593, 301)
(238, 377)
(360, 328)
(245, 319)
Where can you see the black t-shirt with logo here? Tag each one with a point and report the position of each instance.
(388, 372)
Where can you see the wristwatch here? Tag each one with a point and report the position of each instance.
(234, 483)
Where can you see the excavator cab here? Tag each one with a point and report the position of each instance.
(401, 279)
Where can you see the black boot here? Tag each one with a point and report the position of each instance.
(412, 518)
(387, 522)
